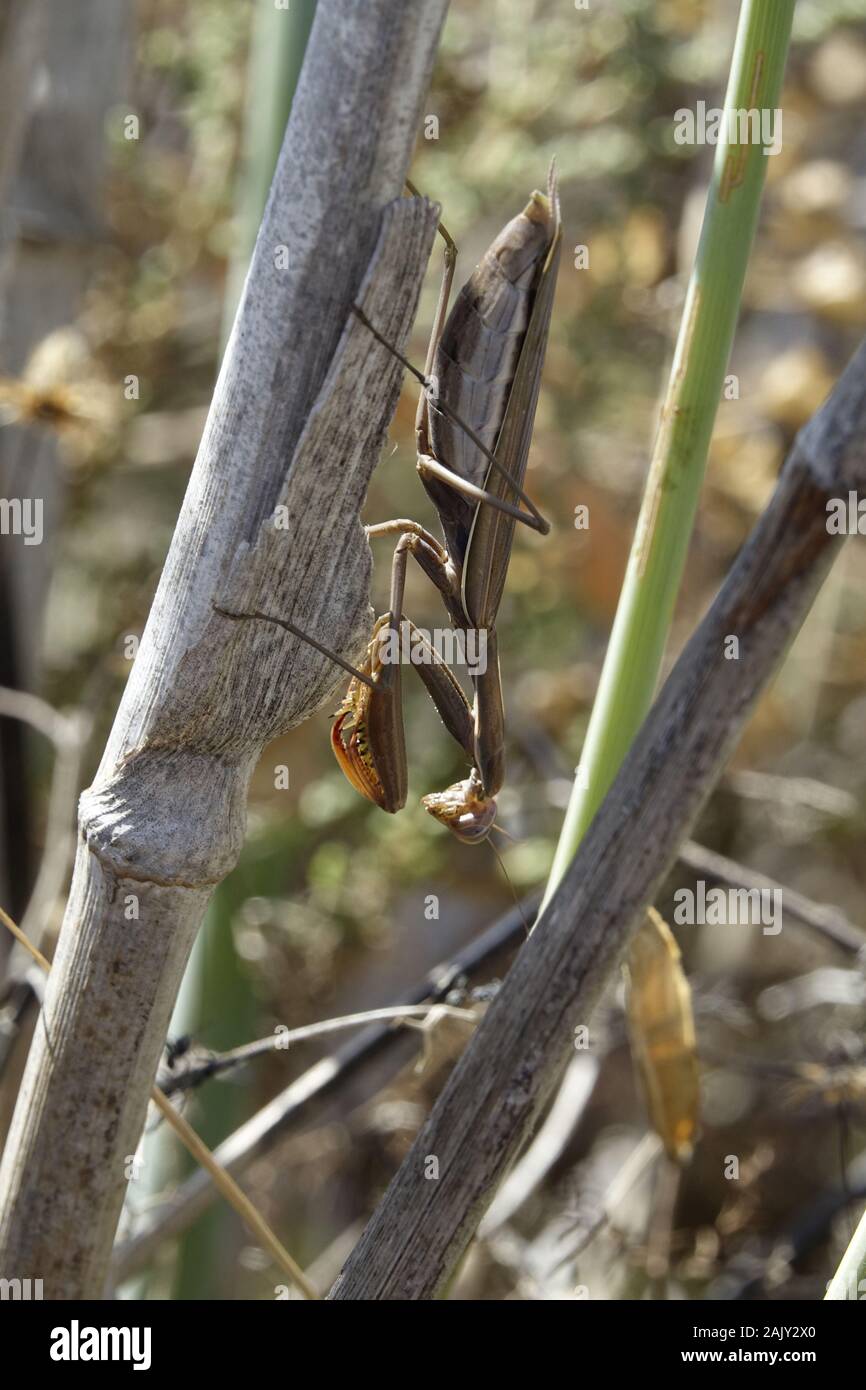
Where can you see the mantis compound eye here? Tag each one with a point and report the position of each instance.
(464, 809)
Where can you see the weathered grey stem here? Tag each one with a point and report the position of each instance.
(422, 1226)
(270, 522)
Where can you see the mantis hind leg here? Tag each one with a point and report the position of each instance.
(430, 467)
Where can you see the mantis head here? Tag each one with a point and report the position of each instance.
(464, 809)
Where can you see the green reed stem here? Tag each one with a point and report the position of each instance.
(661, 540)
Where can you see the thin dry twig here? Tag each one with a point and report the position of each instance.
(218, 1063)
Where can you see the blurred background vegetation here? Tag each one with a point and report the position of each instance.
(326, 912)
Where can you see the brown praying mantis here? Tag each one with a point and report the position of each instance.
(473, 429)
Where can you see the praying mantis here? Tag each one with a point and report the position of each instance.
(473, 429)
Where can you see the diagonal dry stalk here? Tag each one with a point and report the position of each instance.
(270, 522)
(421, 1228)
